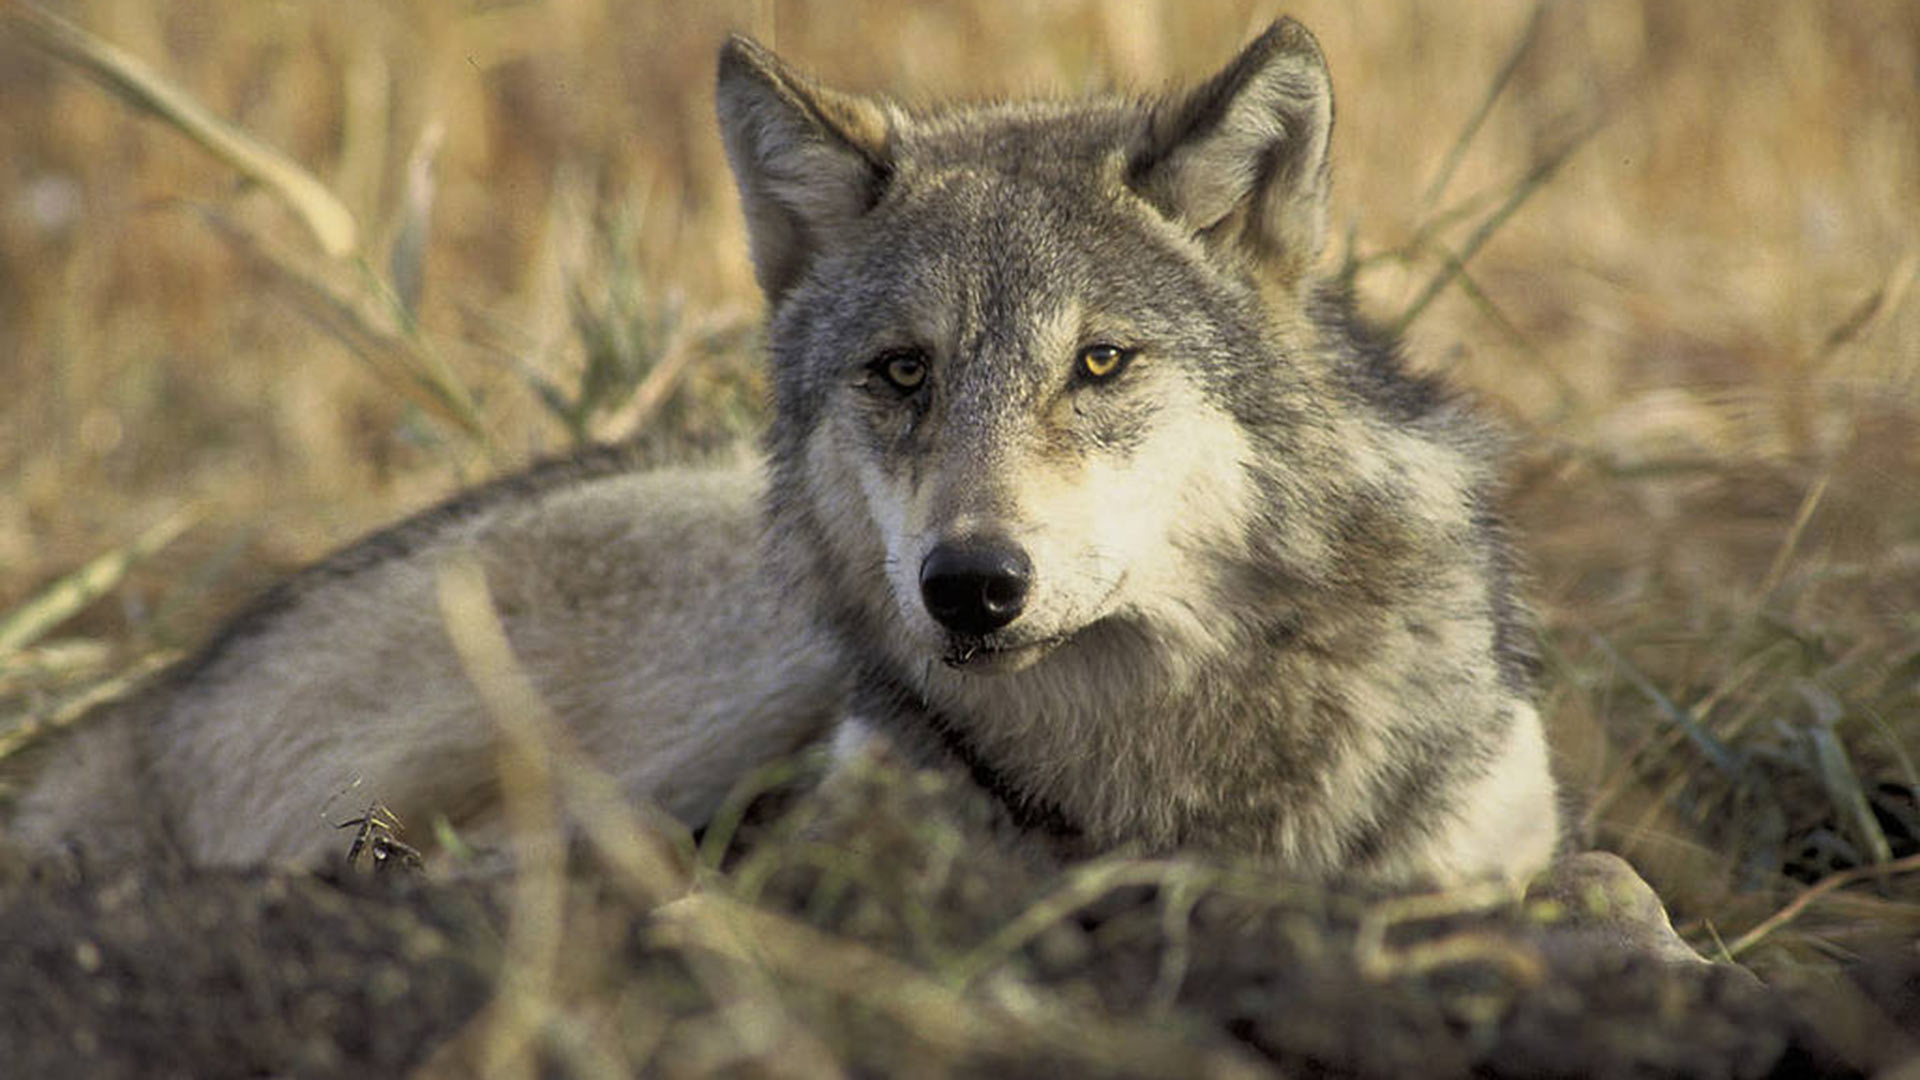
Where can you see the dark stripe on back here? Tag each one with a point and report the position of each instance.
(422, 529)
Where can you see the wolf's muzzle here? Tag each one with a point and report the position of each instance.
(977, 585)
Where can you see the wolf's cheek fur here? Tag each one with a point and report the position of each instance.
(851, 533)
(891, 513)
(1138, 532)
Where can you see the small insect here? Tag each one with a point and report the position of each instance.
(375, 841)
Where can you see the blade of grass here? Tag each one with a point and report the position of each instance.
(406, 263)
(646, 853)
(536, 923)
(1814, 892)
(1353, 264)
(1569, 395)
(1838, 775)
(53, 605)
(1891, 740)
(1777, 572)
(1878, 305)
(1472, 128)
(724, 825)
(1535, 179)
(1079, 888)
(30, 728)
(1716, 751)
(394, 356)
(1661, 741)
(652, 392)
(62, 661)
(332, 224)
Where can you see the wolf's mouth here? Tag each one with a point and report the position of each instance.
(986, 656)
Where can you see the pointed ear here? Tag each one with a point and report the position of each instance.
(1242, 159)
(806, 159)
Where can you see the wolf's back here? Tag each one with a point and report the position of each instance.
(632, 600)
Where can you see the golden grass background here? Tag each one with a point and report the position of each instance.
(1704, 328)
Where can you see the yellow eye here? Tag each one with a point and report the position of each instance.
(1103, 361)
(904, 369)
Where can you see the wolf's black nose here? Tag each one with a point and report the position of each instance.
(975, 586)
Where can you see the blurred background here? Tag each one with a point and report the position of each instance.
(1690, 236)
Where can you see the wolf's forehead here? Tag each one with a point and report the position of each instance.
(979, 249)
(1001, 217)
(1025, 223)
(1037, 139)
(1023, 265)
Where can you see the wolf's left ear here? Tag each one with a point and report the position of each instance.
(1242, 159)
(807, 159)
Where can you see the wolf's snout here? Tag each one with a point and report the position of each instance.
(975, 586)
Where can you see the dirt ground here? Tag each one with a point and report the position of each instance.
(891, 936)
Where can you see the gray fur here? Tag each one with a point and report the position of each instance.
(1270, 607)
(1264, 604)
(633, 599)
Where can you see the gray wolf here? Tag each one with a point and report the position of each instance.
(1084, 480)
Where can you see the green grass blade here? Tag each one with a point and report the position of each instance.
(1722, 757)
(1838, 775)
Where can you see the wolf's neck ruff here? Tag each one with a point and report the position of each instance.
(881, 693)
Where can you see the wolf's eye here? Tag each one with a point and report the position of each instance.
(1103, 361)
(904, 369)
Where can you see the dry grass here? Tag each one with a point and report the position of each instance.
(1704, 326)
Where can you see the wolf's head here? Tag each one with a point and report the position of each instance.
(1018, 349)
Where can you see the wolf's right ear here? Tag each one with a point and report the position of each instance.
(1241, 160)
(807, 159)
